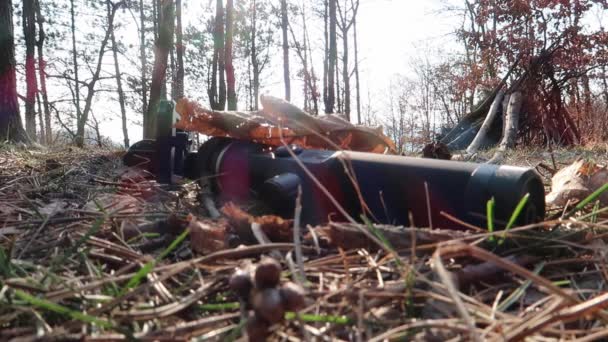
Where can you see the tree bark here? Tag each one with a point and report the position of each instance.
(29, 34)
(142, 57)
(40, 118)
(485, 127)
(179, 51)
(217, 97)
(333, 57)
(346, 74)
(121, 94)
(510, 127)
(254, 58)
(75, 63)
(42, 74)
(284, 25)
(358, 86)
(11, 128)
(325, 51)
(161, 55)
(230, 79)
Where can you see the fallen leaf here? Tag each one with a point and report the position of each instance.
(208, 237)
(276, 228)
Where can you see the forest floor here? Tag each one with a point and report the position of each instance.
(92, 250)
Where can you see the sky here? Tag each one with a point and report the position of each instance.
(391, 33)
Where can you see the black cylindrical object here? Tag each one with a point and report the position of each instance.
(391, 187)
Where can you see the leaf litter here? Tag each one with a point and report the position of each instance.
(87, 253)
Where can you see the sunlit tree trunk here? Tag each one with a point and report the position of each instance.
(29, 34)
(179, 51)
(142, 57)
(75, 63)
(121, 94)
(48, 133)
(358, 86)
(333, 57)
(284, 25)
(230, 79)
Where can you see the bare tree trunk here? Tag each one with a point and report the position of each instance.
(217, 98)
(81, 124)
(142, 57)
(358, 86)
(121, 94)
(75, 63)
(179, 51)
(171, 71)
(254, 58)
(487, 123)
(326, 53)
(42, 74)
(221, 59)
(346, 74)
(510, 127)
(164, 44)
(284, 25)
(29, 34)
(230, 79)
(11, 128)
(333, 57)
(40, 118)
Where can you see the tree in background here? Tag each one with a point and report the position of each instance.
(29, 34)
(119, 89)
(348, 13)
(163, 46)
(230, 78)
(284, 27)
(550, 53)
(179, 50)
(40, 43)
(217, 92)
(11, 128)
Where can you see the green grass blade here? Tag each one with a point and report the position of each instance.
(310, 318)
(377, 233)
(514, 216)
(219, 306)
(597, 193)
(149, 266)
(594, 213)
(520, 291)
(62, 310)
(490, 216)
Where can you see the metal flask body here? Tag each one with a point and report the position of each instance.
(385, 188)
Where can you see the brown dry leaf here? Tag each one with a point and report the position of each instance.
(276, 228)
(208, 237)
(280, 118)
(577, 181)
